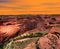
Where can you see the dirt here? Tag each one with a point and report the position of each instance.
(18, 24)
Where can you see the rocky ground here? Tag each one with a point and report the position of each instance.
(17, 25)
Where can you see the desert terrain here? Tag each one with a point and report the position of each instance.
(14, 25)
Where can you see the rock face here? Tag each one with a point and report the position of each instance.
(51, 40)
(11, 26)
(7, 32)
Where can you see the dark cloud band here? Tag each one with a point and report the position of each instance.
(6, 1)
(3, 0)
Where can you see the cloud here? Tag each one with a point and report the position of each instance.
(4, 1)
(48, 4)
(15, 7)
(7, 1)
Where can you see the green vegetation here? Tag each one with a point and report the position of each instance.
(32, 36)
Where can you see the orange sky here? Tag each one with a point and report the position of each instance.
(30, 7)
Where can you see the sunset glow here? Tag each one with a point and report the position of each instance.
(29, 7)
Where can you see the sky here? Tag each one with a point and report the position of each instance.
(14, 7)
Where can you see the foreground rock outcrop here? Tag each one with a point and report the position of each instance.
(50, 41)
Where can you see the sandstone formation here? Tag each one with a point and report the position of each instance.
(14, 25)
